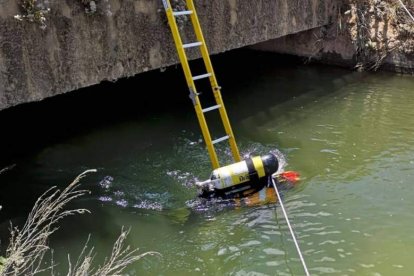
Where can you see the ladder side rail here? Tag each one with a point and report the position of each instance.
(189, 78)
(213, 81)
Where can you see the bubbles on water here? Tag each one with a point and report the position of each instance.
(123, 199)
(116, 193)
(119, 193)
(178, 174)
(122, 203)
(187, 179)
(281, 158)
(259, 150)
(106, 182)
(209, 207)
(149, 205)
(105, 198)
(193, 143)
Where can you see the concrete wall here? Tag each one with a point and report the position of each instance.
(367, 35)
(335, 50)
(79, 49)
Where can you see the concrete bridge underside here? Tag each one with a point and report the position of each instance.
(127, 37)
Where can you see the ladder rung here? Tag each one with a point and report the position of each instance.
(220, 139)
(202, 76)
(194, 44)
(211, 108)
(182, 13)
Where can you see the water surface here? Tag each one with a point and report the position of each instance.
(350, 135)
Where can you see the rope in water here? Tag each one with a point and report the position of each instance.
(405, 8)
(290, 228)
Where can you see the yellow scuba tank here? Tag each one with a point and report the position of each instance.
(234, 179)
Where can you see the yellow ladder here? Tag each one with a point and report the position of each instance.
(171, 15)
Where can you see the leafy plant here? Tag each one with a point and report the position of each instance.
(33, 11)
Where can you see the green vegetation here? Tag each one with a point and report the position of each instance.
(33, 11)
(2, 262)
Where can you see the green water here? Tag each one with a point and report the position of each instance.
(350, 135)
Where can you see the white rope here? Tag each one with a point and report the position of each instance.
(290, 228)
(405, 8)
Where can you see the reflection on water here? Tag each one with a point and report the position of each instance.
(350, 135)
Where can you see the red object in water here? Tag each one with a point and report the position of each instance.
(291, 176)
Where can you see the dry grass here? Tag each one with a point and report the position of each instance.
(27, 247)
(8, 168)
(121, 257)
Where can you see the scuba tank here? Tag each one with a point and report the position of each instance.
(239, 179)
(218, 201)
